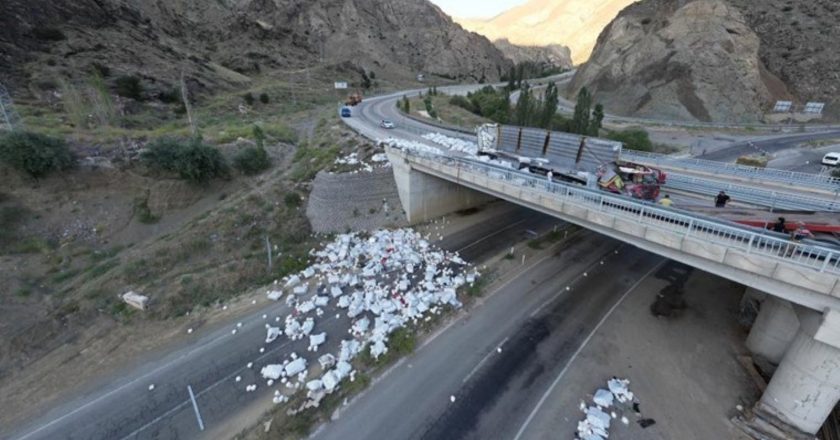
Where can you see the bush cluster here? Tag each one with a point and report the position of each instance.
(35, 154)
(129, 86)
(192, 160)
(633, 139)
(252, 160)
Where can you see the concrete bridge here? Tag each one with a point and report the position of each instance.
(798, 327)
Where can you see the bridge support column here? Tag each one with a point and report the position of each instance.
(425, 197)
(773, 329)
(806, 386)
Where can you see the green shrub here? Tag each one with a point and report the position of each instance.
(463, 102)
(249, 98)
(252, 160)
(836, 172)
(129, 86)
(633, 139)
(191, 160)
(752, 161)
(292, 200)
(35, 154)
(264, 98)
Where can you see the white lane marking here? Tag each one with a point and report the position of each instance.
(580, 349)
(568, 288)
(477, 366)
(195, 407)
(492, 234)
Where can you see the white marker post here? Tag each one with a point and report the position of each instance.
(195, 407)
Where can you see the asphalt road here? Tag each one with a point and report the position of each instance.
(499, 360)
(126, 409)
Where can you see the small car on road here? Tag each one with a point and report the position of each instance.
(831, 159)
(387, 124)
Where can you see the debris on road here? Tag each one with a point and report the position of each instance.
(135, 300)
(596, 424)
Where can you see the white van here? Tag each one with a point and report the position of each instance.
(831, 159)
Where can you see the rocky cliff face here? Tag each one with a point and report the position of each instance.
(799, 45)
(572, 23)
(552, 55)
(696, 60)
(226, 41)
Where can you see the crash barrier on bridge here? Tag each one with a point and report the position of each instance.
(755, 196)
(782, 177)
(669, 227)
(575, 152)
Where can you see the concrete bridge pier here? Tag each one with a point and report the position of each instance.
(773, 330)
(806, 386)
(425, 197)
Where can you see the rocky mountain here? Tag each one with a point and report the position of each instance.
(572, 23)
(552, 55)
(228, 41)
(696, 60)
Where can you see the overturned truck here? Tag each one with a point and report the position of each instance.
(582, 160)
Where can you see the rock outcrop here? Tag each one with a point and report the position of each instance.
(551, 55)
(222, 42)
(572, 23)
(693, 61)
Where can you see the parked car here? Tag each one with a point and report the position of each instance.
(346, 112)
(831, 159)
(387, 124)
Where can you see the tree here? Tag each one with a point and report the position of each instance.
(249, 98)
(366, 82)
(259, 136)
(583, 109)
(511, 85)
(597, 120)
(549, 106)
(633, 139)
(264, 98)
(520, 75)
(524, 106)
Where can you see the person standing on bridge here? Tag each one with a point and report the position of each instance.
(721, 200)
(779, 226)
(666, 201)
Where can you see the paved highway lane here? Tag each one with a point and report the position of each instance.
(496, 361)
(127, 409)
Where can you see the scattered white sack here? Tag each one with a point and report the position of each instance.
(250, 364)
(295, 367)
(272, 371)
(316, 340)
(238, 325)
(189, 331)
(300, 290)
(294, 280)
(619, 388)
(151, 387)
(274, 295)
(624, 420)
(237, 379)
(452, 398)
(603, 398)
(272, 334)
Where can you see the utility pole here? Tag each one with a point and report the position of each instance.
(11, 119)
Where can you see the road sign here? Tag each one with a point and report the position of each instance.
(339, 85)
(814, 108)
(783, 106)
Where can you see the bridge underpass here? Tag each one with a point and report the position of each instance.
(806, 386)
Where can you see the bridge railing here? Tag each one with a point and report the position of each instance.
(755, 196)
(817, 181)
(674, 221)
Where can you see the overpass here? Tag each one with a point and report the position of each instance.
(803, 279)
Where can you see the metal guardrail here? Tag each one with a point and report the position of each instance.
(754, 196)
(709, 166)
(750, 240)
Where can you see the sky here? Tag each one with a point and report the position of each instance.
(476, 8)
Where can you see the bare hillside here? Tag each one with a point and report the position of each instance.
(227, 42)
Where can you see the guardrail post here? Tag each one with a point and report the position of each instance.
(827, 260)
(641, 213)
(690, 226)
(750, 244)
